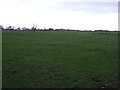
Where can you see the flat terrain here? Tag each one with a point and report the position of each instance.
(59, 59)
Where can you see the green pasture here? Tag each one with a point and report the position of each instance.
(59, 59)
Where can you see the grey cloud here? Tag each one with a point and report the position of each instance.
(89, 7)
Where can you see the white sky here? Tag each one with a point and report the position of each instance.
(67, 14)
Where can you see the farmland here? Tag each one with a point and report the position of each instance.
(59, 59)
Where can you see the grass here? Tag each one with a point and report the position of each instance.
(58, 59)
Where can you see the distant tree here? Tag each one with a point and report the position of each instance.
(50, 29)
(98, 30)
(18, 28)
(10, 27)
(34, 27)
(25, 28)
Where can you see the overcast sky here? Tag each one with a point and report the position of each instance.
(67, 14)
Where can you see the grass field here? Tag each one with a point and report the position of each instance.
(59, 59)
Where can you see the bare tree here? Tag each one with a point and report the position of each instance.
(34, 27)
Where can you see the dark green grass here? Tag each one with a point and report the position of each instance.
(57, 59)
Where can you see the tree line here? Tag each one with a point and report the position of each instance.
(35, 28)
